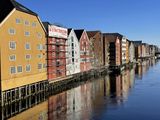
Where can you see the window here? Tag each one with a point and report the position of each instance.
(27, 33)
(72, 39)
(39, 46)
(72, 45)
(12, 57)
(40, 66)
(34, 24)
(12, 45)
(27, 46)
(39, 55)
(12, 31)
(44, 47)
(28, 68)
(26, 22)
(72, 60)
(18, 21)
(28, 56)
(19, 69)
(13, 70)
(39, 35)
(44, 65)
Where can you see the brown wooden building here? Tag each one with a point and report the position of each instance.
(96, 40)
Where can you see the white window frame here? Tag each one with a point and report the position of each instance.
(11, 59)
(34, 24)
(39, 35)
(39, 47)
(29, 46)
(28, 58)
(10, 31)
(10, 45)
(26, 21)
(40, 56)
(26, 68)
(11, 68)
(17, 68)
(27, 34)
(18, 21)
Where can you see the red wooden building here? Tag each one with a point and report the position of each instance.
(85, 63)
(56, 50)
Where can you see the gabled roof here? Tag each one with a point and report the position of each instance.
(79, 33)
(114, 34)
(6, 6)
(22, 8)
(92, 33)
(69, 30)
(45, 24)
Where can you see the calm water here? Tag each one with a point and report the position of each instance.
(132, 95)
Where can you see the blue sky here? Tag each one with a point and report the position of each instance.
(136, 19)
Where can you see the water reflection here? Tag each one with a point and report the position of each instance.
(84, 102)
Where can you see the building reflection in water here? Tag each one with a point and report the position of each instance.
(80, 103)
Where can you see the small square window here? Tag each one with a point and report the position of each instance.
(40, 56)
(40, 66)
(18, 21)
(34, 24)
(27, 46)
(27, 33)
(28, 57)
(12, 31)
(19, 69)
(13, 70)
(40, 47)
(26, 22)
(12, 57)
(12, 45)
(28, 68)
(39, 35)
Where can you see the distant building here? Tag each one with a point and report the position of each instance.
(85, 63)
(96, 39)
(56, 50)
(131, 52)
(23, 51)
(73, 53)
(138, 49)
(116, 48)
(127, 51)
(124, 50)
(152, 50)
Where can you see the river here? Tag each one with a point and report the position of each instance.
(131, 95)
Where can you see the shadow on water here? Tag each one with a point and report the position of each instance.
(85, 101)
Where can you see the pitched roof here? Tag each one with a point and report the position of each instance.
(114, 34)
(92, 33)
(6, 6)
(22, 8)
(69, 30)
(45, 24)
(79, 33)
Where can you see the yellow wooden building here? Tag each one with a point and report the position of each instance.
(22, 48)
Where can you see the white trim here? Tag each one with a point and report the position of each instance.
(28, 58)
(7, 17)
(12, 55)
(29, 46)
(10, 32)
(25, 23)
(25, 33)
(42, 24)
(15, 45)
(26, 67)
